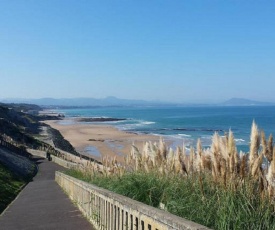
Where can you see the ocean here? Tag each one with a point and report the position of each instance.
(184, 125)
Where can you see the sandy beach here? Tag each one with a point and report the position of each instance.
(99, 140)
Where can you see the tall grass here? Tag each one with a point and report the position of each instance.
(217, 186)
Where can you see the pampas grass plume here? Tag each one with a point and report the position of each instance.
(254, 144)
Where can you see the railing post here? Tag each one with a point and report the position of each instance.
(113, 217)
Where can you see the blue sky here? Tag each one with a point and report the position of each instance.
(173, 50)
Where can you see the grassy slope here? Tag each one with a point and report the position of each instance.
(199, 202)
(10, 186)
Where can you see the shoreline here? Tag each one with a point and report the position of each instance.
(99, 140)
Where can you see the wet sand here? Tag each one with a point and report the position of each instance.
(99, 140)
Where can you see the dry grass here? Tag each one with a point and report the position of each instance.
(221, 162)
(216, 186)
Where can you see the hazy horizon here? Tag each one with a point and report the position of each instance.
(112, 100)
(172, 51)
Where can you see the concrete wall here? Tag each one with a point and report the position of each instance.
(36, 152)
(57, 160)
(63, 163)
(108, 210)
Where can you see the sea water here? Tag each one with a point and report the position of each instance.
(184, 125)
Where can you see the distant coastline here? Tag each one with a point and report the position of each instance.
(53, 103)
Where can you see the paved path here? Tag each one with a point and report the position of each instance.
(43, 205)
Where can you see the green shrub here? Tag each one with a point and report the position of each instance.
(10, 186)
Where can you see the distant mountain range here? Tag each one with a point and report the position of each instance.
(113, 101)
(245, 102)
(81, 102)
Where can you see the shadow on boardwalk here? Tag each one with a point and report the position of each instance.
(43, 205)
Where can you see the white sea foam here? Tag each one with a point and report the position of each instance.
(240, 140)
(142, 123)
(134, 125)
(184, 135)
(187, 150)
(148, 122)
(176, 136)
(207, 137)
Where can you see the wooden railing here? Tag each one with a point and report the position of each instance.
(12, 146)
(110, 211)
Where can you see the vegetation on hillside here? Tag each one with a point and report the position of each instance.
(218, 186)
(10, 185)
(20, 124)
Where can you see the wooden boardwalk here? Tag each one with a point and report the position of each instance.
(43, 205)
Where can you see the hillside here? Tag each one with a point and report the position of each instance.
(20, 124)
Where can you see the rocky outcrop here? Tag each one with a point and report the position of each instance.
(100, 119)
